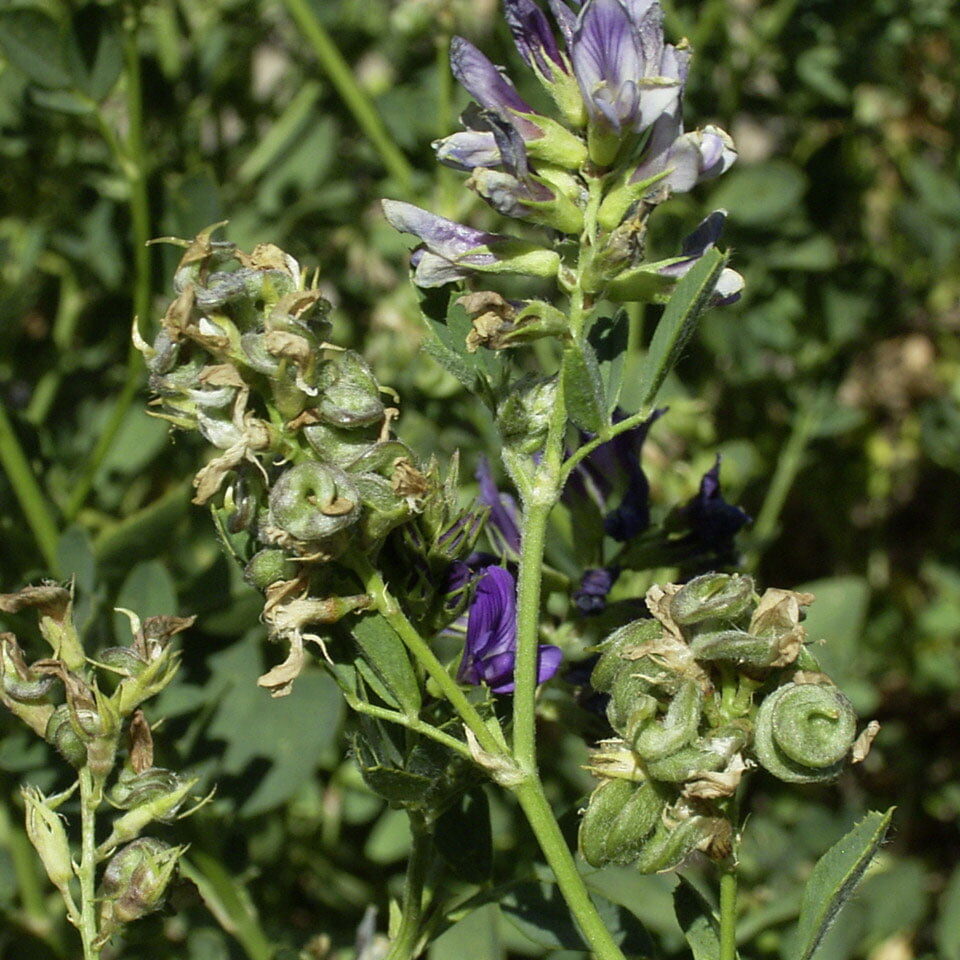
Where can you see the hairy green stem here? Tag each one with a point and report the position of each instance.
(554, 846)
(36, 509)
(404, 946)
(341, 76)
(387, 605)
(131, 158)
(728, 912)
(89, 801)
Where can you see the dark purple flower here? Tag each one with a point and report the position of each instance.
(616, 464)
(489, 655)
(533, 36)
(712, 521)
(730, 284)
(503, 523)
(591, 596)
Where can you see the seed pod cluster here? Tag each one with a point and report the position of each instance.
(307, 470)
(717, 682)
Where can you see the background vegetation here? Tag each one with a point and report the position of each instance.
(832, 390)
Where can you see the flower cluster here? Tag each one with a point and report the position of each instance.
(682, 689)
(617, 150)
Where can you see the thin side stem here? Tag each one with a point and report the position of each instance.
(36, 509)
(341, 76)
(385, 603)
(554, 846)
(404, 947)
(411, 723)
(89, 800)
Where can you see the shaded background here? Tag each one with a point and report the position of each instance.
(832, 390)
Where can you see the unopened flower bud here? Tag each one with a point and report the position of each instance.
(269, 566)
(312, 501)
(48, 836)
(524, 414)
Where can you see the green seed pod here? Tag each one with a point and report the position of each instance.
(605, 805)
(713, 595)
(339, 445)
(380, 457)
(132, 790)
(671, 845)
(63, 737)
(267, 567)
(312, 501)
(708, 755)
(679, 726)
(383, 509)
(135, 880)
(48, 836)
(124, 662)
(640, 815)
(611, 661)
(631, 705)
(804, 731)
(349, 392)
(737, 646)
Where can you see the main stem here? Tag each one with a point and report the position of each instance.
(728, 911)
(405, 945)
(88, 866)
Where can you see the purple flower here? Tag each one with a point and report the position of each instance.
(616, 464)
(591, 596)
(628, 76)
(730, 283)
(534, 37)
(490, 88)
(689, 157)
(489, 655)
(503, 523)
(712, 521)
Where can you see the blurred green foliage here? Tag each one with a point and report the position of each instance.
(832, 389)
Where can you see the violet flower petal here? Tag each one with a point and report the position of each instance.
(504, 520)
(533, 36)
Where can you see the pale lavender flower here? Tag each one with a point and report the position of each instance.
(503, 523)
(489, 655)
(689, 157)
(628, 76)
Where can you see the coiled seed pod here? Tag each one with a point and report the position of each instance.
(679, 726)
(63, 737)
(804, 731)
(135, 880)
(605, 805)
(640, 815)
(133, 790)
(611, 660)
(711, 753)
(311, 501)
(267, 567)
(713, 595)
(671, 845)
(349, 392)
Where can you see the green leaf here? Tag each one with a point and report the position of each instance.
(608, 337)
(36, 44)
(697, 921)
(384, 652)
(583, 388)
(448, 325)
(464, 839)
(947, 932)
(144, 533)
(834, 878)
(676, 326)
(761, 195)
(295, 734)
(227, 899)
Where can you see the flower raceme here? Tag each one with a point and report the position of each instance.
(619, 144)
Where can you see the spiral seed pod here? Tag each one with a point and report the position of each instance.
(123, 661)
(671, 845)
(312, 501)
(134, 790)
(640, 815)
(341, 446)
(738, 646)
(349, 392)
(135, 880)
(611, 660)
(606, 804)
(63, 737)
(804, 731)
(679, 726)
(631, 704)
(709, 754)
(713, 595)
